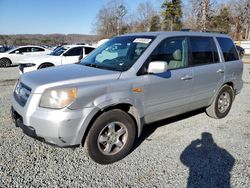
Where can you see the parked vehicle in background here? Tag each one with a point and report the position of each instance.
(14, 56)
(5, 48)
(241, 51)
(104, 101)
(66, 54)
(101, 42)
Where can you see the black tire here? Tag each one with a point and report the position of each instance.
(5, 62)
(45, 65)
(219, 108)
(101, 129)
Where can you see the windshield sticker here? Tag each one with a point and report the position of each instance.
(142, 40)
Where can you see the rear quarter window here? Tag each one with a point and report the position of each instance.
(228, 49)
(88, 50)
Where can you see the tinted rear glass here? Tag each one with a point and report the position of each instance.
(88, 50)
(74, 51)
(203, 50)
(228, 49)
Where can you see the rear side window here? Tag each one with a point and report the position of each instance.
(228, 49)
(88, 50)
(74, 52)
(203, 51)
(35, 49)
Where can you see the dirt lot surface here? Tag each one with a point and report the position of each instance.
(190, 150)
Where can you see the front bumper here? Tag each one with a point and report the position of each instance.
(63, 128)
(28, 130)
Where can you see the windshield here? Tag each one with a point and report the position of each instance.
(58, 51)
(118, 54)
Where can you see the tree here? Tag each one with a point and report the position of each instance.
(155, 23)
(120, 13)
(172, 14)
(145, 12)
(202, 14)
(222, 21)
(241, 19)
(109, 19)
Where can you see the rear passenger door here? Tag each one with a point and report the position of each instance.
(207, 68)
(168, 93)
(233, 65)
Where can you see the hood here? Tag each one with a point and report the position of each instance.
(39, 58)
(73, 74)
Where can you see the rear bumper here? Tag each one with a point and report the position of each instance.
(239, 87)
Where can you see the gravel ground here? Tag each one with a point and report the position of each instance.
(191, 150)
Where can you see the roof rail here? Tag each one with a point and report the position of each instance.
(186, 29)
(208, 31)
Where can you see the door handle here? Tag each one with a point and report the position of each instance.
(220, 71)
(186, 77)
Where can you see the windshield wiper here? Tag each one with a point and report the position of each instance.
(92, 65)
(99, 66)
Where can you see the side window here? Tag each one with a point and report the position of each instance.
(173, 51)
(28, 49)
(228, 49)
(74, 52)
(88, 50)
(21, 50)
(203, 51)
(36, 49)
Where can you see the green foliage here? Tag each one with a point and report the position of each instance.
(172, 14)
(222, 21)
(155, 23)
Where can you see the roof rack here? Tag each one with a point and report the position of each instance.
(206, 31)
(186, 29)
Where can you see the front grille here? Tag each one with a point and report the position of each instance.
(22, 93)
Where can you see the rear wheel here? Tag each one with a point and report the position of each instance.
(111, 137)
(45, 65)
(222, 103)
(5, 62)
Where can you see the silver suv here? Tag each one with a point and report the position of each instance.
(132, 80)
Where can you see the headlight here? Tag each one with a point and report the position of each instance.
(58, 98)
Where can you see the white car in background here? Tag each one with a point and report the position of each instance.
(67, 54)
(14, 56)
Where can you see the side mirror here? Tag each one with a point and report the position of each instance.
(18, 52)
(157, 67)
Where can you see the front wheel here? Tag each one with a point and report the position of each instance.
(4, 62)
(111, 137)
(222, 103)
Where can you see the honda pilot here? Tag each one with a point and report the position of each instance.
(104, 101)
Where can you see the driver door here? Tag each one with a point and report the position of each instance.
(169, 93)
(18, 55)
